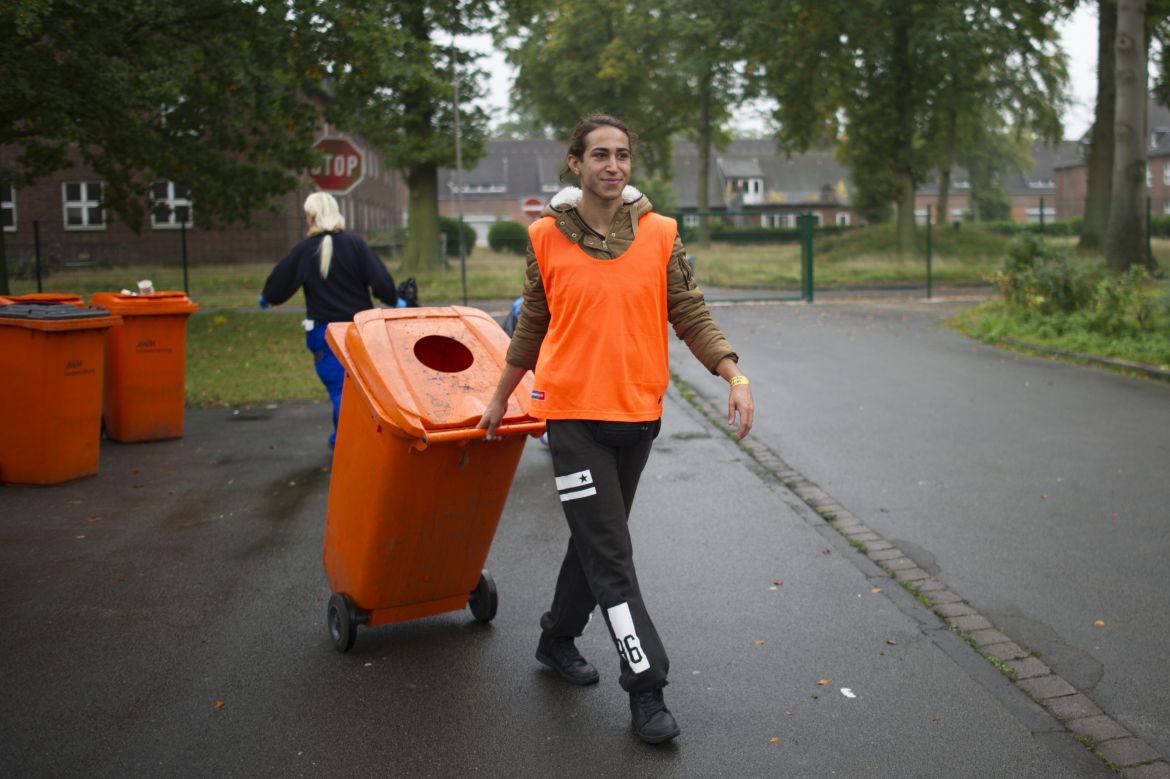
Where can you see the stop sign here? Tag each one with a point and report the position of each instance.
(342, 168)
(532, 206)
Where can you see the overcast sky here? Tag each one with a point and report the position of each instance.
(1079, 35)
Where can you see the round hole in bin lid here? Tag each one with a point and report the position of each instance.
(440, 353)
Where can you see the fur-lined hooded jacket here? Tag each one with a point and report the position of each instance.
(686, 308)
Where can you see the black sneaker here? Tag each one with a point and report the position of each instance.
(561, 655)
(652, 721)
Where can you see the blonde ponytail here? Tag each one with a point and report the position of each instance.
(326, 252)
(322, 213)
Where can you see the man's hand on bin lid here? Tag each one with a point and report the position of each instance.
(263, 303)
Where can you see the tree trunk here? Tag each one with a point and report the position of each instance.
(1125, 242)
(906, 217)
(944, 178)
(704, 202)
(903, 142)
(1100, 160)
(422, 239)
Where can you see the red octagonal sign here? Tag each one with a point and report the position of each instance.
(342, 168)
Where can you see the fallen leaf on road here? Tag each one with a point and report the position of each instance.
(1099, 623)
(848, 693)
(891, 642)
(93, 520)
(774, 740)
(778, 582)
(788, 712)
(876, 589)
(217, 704)
(1043, 496)
(823, 682)
(79, 536)
(758, 642)
(826, 551)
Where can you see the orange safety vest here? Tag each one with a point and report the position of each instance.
(605, 353)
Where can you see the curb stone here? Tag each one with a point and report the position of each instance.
(1105, 737)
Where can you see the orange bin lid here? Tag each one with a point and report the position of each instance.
(154, 304)
(43, 298)
(56, 317)
(426, 369)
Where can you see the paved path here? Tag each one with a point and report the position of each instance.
(166, 618)
(1036, 490)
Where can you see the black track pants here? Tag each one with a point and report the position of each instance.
(597, 467)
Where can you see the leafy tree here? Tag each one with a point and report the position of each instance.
(621, 61)
(203, 92)
(1100, 152)
(1125, 237)
(710, 40)
(226, 97)
(868, 72)
(389, 67)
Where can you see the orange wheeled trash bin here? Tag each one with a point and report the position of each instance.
(416, 493)
(146, 365)
(43, 298)
(50, 398)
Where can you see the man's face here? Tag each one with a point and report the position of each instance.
(605, 169)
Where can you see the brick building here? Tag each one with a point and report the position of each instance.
(63, 212)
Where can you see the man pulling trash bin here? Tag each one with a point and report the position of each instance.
(605, 275)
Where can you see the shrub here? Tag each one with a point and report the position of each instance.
(507, 236)
(450, 228)
(1039, 279)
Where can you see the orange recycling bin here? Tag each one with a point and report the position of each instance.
(146, 365)
(43, 298)
(50, 398)
(416, 492)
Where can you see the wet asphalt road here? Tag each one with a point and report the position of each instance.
(1037, 490)
(166, 617)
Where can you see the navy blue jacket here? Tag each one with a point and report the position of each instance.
(353, 271)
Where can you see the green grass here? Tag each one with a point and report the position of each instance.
(490, 276)
(994, 322)
(238, 355)
(866, 256)
(237, 358)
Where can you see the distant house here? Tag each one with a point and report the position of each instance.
(63, 213)
(1027, 192)
(749, 184)
(1071, 171)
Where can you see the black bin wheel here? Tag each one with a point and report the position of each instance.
(484, 600)
(342, 620)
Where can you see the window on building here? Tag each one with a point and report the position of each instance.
(690, 220)
(1166, 173)
(777, 221)
(842, 219)
(8, 208)
(1149, 178)
(171, 205)
(83, 205)
(1049, 214)
(1166, 207)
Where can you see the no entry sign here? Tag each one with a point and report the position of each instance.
(343, 166)
(532, 206)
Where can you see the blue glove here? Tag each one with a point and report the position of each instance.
(263, 302)
(399, 303)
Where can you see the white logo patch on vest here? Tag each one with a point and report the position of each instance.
(576, 485)
(626, 638)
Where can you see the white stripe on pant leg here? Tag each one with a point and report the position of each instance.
(578, 494)
(626, 638)
(573, 480)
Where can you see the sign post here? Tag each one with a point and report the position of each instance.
(343, 166)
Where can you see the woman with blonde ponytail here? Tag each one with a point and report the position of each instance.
(337, 271)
